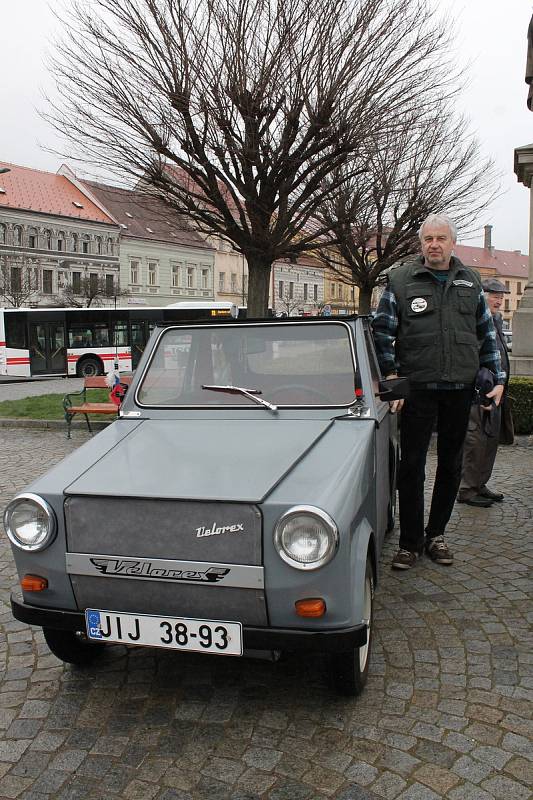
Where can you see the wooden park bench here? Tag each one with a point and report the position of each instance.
(85, 406)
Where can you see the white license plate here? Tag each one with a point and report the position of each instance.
(177, 633)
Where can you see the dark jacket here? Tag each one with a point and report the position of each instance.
(436, 338)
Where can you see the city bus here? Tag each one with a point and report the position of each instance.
(88, 341)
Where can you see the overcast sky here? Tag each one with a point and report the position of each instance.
(491, 37)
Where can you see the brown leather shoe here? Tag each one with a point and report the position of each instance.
(475, 500)
(438, 551)
(404, 559)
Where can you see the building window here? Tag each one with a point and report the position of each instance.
(233, 281)
(152, 273)
(47, 281)
(76, 282)
(60, 244)
(333, 290)
(315, 292)
(16, 279)
(17, 235)
(507, 285)
(190, 277)
(280, 290)
(109, 285)
(110, 246)
(291, 290)
(205, 279)
(93, 283)
(507, 306)
(32, 240)
(99, 245)
(305, 293)
(85, 245)
(134, 272)
(221, 281)
(519, 287)
(175, 275)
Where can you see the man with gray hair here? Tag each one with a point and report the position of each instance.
(433, 326)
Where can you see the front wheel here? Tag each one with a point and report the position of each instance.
(349, 671)
(71, 646)
(89, 368)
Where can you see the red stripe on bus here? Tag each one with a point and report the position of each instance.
(18, 360)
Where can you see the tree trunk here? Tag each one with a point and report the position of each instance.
(365, 298)
(259, 271)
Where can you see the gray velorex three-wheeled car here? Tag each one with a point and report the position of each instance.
(239, 503)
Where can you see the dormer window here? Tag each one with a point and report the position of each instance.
(77, 204)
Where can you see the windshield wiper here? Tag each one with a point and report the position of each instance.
(251, 394)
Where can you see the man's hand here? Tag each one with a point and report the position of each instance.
(495, 394)
(395, 406)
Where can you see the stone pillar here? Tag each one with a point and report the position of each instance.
(522, 355)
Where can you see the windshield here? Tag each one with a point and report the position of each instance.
(307, 364)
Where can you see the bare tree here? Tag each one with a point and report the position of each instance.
(91, 290)
(235, 111)
(19, 279)
(428, 164)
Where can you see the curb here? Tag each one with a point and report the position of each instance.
(52, 424)
(59, 424)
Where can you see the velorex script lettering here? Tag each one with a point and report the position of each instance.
(145, 569)
(216, 530)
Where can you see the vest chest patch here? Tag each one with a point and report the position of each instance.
(461, 282)
(419, 304)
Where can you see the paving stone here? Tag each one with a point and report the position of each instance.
(388, 785)
(471, 770)
(439, 779)
(361, 773)
(504, 788)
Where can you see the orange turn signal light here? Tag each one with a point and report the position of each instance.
(33, 583)
(311, 607)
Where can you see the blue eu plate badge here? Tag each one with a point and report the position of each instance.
(93, 624)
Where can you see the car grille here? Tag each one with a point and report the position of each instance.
(171, 531)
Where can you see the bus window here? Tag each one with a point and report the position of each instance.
(16, 331)
(121, 333)
(95, 335)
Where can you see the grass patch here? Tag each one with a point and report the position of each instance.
(50, 406)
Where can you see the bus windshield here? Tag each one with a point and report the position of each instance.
(308, 364)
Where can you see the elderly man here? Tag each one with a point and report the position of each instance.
(433, 326)
(483, 435)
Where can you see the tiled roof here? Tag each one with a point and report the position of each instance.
(507, 263)
(29, 189)
(142, 217)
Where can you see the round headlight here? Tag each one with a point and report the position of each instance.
(306, 537)
(30, 523)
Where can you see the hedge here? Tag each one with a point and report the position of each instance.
(521, 394)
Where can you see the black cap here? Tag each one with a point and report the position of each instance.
(494, 285)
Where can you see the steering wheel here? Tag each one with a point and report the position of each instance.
(301, 387)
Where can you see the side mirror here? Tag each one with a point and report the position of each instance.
(393, 389)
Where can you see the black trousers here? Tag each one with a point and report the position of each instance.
(450, 409)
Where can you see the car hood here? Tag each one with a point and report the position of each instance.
(230, 460)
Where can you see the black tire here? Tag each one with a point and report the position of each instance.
(89, 368)
(348, 672)
(72, 647)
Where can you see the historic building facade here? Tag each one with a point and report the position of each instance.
(53, 240)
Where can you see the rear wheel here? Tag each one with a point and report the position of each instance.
(89, 368)
(349, 671)
(72, 646)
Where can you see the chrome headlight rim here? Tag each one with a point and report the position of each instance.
(51, 523)
(330, 525)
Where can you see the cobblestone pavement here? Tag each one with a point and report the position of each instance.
(447, 712)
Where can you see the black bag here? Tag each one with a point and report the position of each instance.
(485, 383)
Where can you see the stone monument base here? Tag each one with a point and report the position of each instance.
(521, 365)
